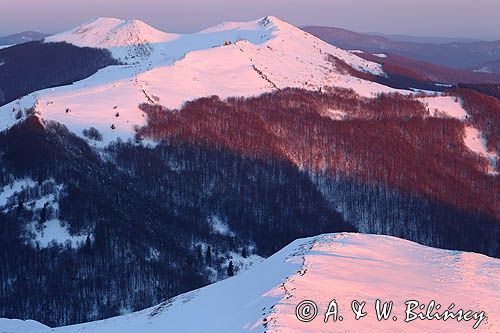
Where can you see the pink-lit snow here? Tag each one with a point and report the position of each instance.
(344, 267)
(231, 59)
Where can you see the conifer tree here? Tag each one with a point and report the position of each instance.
(230, 269)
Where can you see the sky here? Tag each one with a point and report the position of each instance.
(443, 18)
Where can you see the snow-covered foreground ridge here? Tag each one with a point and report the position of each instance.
(344, 267)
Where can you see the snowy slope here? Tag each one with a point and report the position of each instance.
(449, 106)
(446, 106)
(127, 39)
(341, 266)
(231, 59)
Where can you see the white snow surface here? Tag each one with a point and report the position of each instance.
(9, 195)
(447, 106)
(125, 38)
(51, 232)
(231, 59)
(111, 32)
(334, 114)
(16, 187)
(220, 227)
(475, 141)
(343, 267)
(54, 232)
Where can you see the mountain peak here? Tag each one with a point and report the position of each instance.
(106, 32)
(267, 20)
(267, 23)
(104, 19)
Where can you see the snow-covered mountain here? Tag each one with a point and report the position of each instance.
(23, 37)
(128, 39)
(231, 59)
(227, 60)
(344, 267)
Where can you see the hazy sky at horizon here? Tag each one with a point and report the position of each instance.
(444, 18)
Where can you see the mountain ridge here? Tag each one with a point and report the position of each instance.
(470, 56)
(322, 268)
(257, 51)
(22, 37)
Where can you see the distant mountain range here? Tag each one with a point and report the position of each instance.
(423, 71)
(460, 55)
(423, 39)
(23, 37)
(490, 67)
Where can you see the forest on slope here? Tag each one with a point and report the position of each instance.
(37, 65)
(231, 178)
(150, 217)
